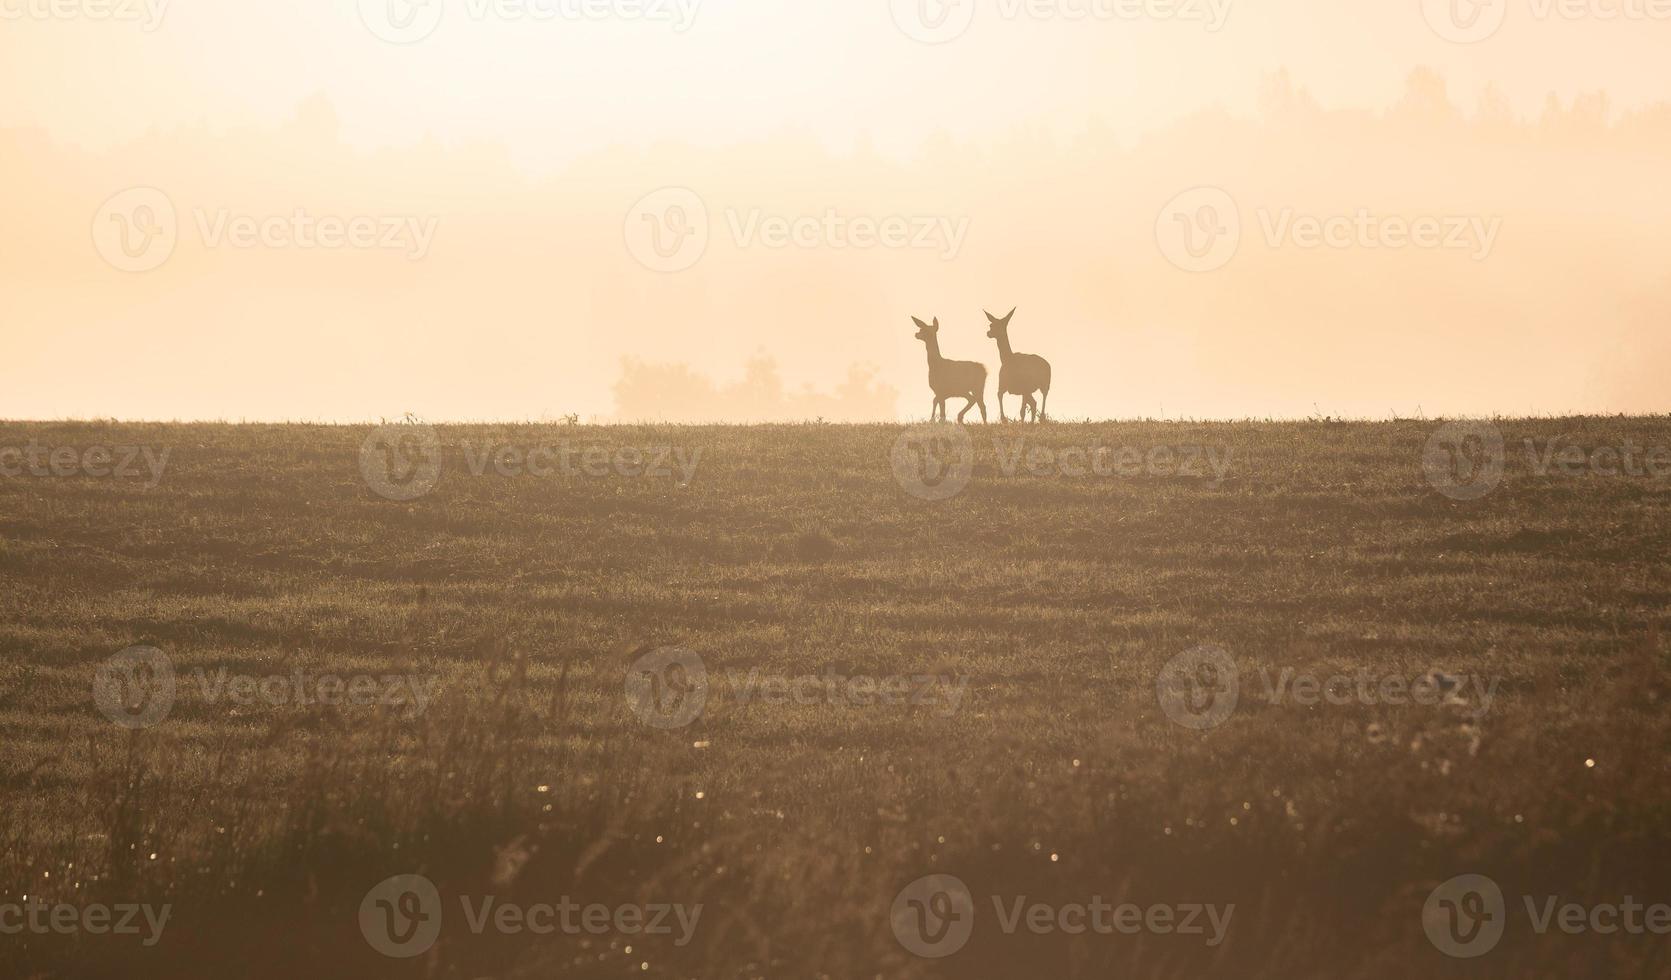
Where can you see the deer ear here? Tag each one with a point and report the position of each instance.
(919, 323)
(936, 323)
(990, 317)
(1010, 315)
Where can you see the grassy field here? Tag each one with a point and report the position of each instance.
(990, 696)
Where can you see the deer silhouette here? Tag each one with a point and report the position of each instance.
(1020, 374)
(951, 379)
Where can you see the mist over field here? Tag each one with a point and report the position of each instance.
(901, 489)
(1434, 243)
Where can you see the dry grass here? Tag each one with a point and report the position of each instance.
(793, 551)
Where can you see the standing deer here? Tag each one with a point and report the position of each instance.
(1021, 374)
(951, 379)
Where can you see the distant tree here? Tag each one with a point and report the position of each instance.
(676, 393)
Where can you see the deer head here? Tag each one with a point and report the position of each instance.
(926, 331)
(1000, 325)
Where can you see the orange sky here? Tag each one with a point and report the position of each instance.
(467, 225)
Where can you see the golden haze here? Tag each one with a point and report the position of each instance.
(1031, 158)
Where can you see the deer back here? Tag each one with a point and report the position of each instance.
(958, 376)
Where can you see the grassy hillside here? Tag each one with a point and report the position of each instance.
(989, 695)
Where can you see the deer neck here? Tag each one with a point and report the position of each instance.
(933, 345)
(1004, 352)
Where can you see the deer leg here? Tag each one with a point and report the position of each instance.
(1047, 404)
(971, 404)
(983, 411)
(1001, 416)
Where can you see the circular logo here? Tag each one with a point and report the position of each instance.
(136, 230)
(1200, 230)
(667, 688)
(401, 21)
(934, 916)
(135, 688)
(934, 461)
(1465, 21)
(1464, 460)
(667, 230)
(1199, 689)
(401, 462)
(1464, 917)
(934, 21)
(401, 916)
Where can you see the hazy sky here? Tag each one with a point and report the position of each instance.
(509, 153)
(717, 71)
